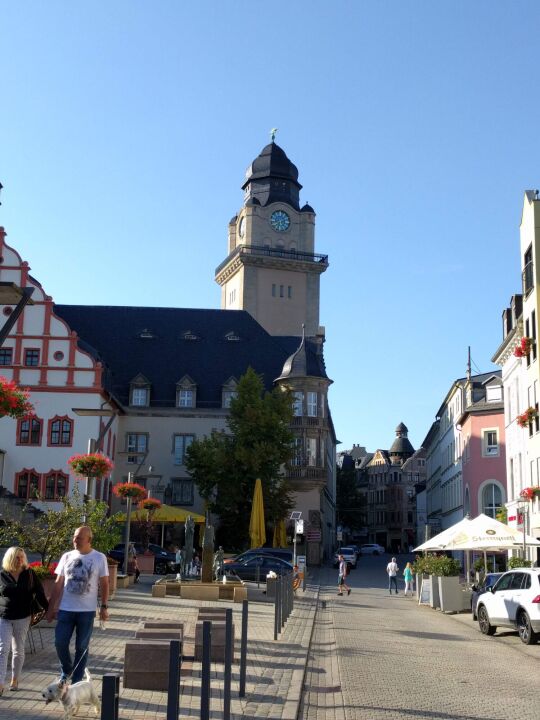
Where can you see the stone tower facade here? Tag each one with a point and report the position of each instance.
(272, 270)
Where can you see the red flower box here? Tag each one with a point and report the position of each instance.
(524, 348)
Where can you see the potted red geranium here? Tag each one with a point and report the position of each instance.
(93, 465)
(129, 490)
(527, 417)
(14, 402)
(46, 575)
(524, 348)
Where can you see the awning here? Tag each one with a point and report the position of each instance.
(165, 514)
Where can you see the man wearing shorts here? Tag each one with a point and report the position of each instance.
(342, 575)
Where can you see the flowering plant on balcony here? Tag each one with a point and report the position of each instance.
(150, 504)
(93, 465)
(527, 417)
(524, 348)
(13, 400)
(129, 490)
(530, 492)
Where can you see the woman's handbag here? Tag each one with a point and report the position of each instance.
(37, 613)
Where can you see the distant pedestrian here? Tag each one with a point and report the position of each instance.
(408, 577)
(392, 570)
(342, 575)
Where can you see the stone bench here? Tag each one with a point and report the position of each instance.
(217, 653)
(159, 590)
(195, 591)
(122, 581)
(160, 634)
(240, 594)
(146, 665)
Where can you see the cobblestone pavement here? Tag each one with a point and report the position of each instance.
(378, 656)
(274, 672)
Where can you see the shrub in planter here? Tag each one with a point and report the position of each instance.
(517, 562)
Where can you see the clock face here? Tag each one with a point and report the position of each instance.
(280, 221)
(242, 227)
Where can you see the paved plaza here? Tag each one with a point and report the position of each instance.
(367, 656)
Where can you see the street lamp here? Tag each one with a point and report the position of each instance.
(523, 509)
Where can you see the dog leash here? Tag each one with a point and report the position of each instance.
(77, 665)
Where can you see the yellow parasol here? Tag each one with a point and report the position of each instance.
(257, 531)
(280, 535)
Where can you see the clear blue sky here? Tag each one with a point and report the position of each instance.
(126, 128)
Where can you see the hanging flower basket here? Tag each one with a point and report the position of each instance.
(524, 348)
(93, 465)
(129, 490)
(527, 417)
(14, 401)
(530, 492)
(150, 504)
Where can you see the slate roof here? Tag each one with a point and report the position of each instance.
(112, 334)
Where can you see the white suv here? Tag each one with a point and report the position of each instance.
(349, 555)
(514, 601)
(372, 549)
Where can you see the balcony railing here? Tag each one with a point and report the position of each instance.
(527, 277)
(274, 253)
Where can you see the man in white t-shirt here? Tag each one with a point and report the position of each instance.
(79, 574)
(392, 570)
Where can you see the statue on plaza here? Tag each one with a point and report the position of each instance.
(218, 563)
(207, 554)
(188, 544)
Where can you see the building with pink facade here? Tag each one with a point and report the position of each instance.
(483, 456)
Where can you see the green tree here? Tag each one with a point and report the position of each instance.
(224, 466)
(51, 533)
(350, 504)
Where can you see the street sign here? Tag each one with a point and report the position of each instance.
(301, 562)
(299, 527)
(339, 536)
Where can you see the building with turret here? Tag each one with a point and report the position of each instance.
(142, 383)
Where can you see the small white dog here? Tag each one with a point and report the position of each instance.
(73, 696)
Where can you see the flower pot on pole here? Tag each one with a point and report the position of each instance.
(130, 491)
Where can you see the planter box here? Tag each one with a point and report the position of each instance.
(113, 574)
(122, 581)
(450, 594)
(435, 601)
(146, 563)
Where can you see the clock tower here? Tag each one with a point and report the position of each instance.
(272, 270)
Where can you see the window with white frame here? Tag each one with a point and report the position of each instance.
(491, 500)
(490, 442)
(298, 451)
(136, 447)
(185, 397)
(139, 396)
(312, 404)
(180, 446)
(311, 451)
(298, 404)
(494, 393)
(228, 395)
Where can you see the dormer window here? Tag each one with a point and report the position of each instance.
(229, 392)
(139, 393)
(186, 391)
(232, 336)
(493, 393)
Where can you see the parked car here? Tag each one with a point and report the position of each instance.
(283, 553)
(349, 556)
(372, 549)
(163, 559)
(514, 601)
(489, 581)
(257, 567)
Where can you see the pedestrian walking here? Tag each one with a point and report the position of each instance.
(408, 577)
(18, 586)
(392, 570)
(79, 575)
(342, 575)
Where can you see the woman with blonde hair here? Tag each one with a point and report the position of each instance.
(408, 577)
(18, 585)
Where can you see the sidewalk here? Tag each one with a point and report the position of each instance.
(275, 670)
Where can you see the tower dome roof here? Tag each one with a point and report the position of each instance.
(402, 428)
(304, 362)
(273, 162)
(272, 177)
